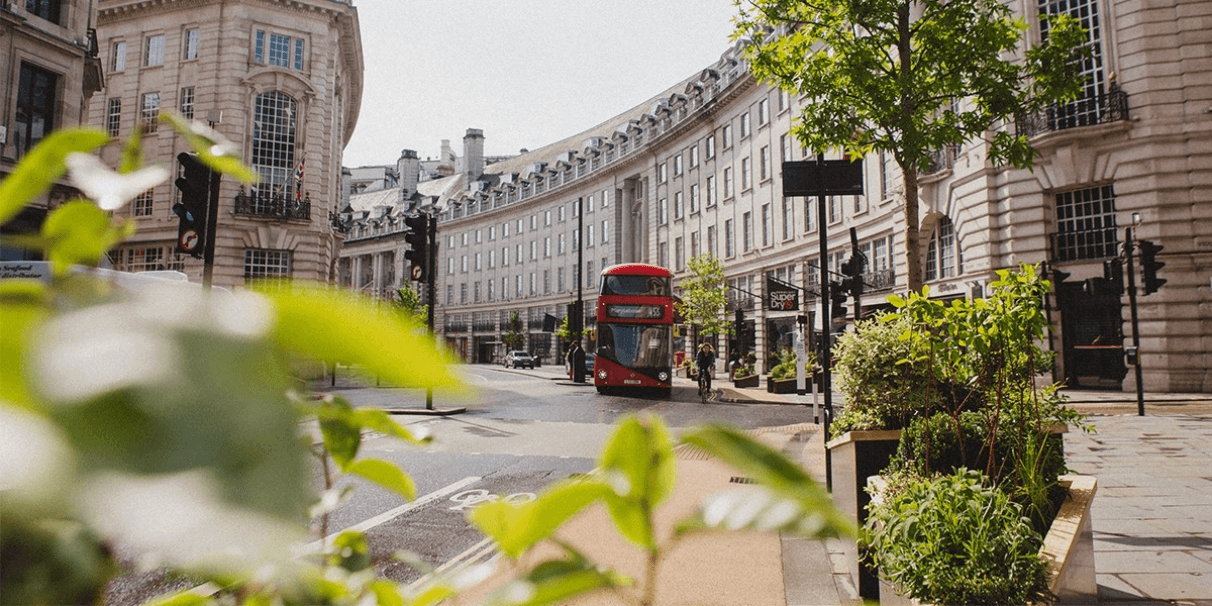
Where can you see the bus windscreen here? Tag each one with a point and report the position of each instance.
(652, 286)
(635, 346)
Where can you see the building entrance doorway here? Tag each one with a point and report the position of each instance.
(1092, 327)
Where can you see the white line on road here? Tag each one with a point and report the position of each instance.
(386, 516)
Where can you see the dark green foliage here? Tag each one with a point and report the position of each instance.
(955, 540)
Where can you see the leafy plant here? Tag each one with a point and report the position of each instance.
(704, 295)
(785, 368)
(955, 540)
(513, 336)
(883, 381)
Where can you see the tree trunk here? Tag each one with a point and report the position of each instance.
(913, 248)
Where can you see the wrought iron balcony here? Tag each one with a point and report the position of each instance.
(1111, 106)
(1089, 244)
(879, 280)
(942, 159)
(269, 205)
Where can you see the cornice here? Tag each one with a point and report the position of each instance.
(115, 10)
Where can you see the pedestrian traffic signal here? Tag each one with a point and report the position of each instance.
(1149, 266)
(1113, 273)
(195, 184)
(418, 246)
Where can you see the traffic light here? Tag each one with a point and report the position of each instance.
(837, 297)
(195, 185)
(1113, 273)
(1058, 276)
(418, 246)
(852, 284)
(1149, 266)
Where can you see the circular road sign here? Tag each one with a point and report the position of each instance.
(190, 240)
(416, 272)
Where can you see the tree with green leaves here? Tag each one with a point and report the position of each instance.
(910, 77)
(513, 337)
(410, 302)
(704, 296)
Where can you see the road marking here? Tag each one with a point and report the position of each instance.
(386, 516)
(469, 499)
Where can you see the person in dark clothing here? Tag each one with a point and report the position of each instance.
(704, 360)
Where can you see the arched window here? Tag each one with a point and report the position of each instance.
(943, 259)
(273, 148)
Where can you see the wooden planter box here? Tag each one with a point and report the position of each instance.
(788, 385)
(749, 381)
(1068, 548)
(854, 457)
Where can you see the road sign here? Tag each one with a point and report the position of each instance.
(827, 178)
(190, 240)
(417, 272)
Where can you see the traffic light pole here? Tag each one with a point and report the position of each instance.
(1129, 245)
(212, 220)
(826, 324)
(431, 290)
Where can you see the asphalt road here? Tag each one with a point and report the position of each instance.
(520, 433)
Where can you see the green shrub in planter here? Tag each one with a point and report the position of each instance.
(876, 370)
(785, 368)
(954, 540)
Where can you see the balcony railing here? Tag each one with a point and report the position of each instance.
(942, 159)
(879, 279)
(267, 205)
(1089, 244)
(1088, 111)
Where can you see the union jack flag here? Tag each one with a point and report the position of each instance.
(299, 171)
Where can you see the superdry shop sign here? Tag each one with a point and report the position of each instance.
(781, 297)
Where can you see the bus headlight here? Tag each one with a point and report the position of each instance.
(663, 376)
(602, 374)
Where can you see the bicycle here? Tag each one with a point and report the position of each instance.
(704, 384)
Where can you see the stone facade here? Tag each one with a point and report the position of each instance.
(48, 58)
(283, 80)
(698, 170)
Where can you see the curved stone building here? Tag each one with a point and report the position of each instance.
(283, 80)
(698, 170)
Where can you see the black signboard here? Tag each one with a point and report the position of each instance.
(781, 296)
(828, 178)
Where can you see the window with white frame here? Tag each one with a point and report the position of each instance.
(149, 112)
(560, 244)
(727, 182)
(694, 155)
(710, 143)
(478, 266)
(1085, 224)
(590, 276)
(726, 134)
(187, 102)
(662, 173)
(694, 198)
(729, 244)
(142, 204)
(278, 50)
(678, 261)
(589, 235)
(710, 191)
(266, 264)
(113, 116)
(809, 215)
(677, 205)
(941, 254)
(189, 50)
(148, 258)
(744, 125)
(711, 248)
(547, 246)
(605, 231)
(747, 231)
(764, 163)
(663, 254)
(153, 50)
(788, 217)
(118, 60)
(677, 165)
(546, 218)
(767, 229)
(694, 244)
(662, 211)
(763, 112)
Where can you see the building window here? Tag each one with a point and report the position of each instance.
(694, 197)
(153, 51)
(1087, 109)
(727, 136)
(763, 112)
(559, 279)
(1085, 224)
(560, 244)
(744, 125)
(747, 231)
(677, 205)
(677, 165)
(694, 244)
(662, 173)
(190, 51)
(729, 244)
(264, 264)
(711, 240)
(766, 227)
(784, 148)
(590, 276)
(36, 105)
(677, 254)
(476, 291)
(533, 288)
(463, 293)
(835, 209)
(478, 265)
(118, 62)
(788, 217)
(605, 231)
(47, 9)
(547, 246)
(710, 191)
(710, 146)
(662, 211)
(143, 258)
(273, 144)
(746, 170)
(589, 235)
(113, 117)
(149, 111)
(764, 163)
(547, 218)
(283, 51)
(187, 102)
(809, 216)
(941, 253)
(663, 254)
(142, 204)
(694, 155)
(727, 182)
(546, 281)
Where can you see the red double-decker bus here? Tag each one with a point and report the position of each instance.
(634, 328)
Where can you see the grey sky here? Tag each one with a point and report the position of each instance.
(526, 72)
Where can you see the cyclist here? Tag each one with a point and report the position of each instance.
(704, 361)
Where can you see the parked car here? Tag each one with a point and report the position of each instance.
(517, 358)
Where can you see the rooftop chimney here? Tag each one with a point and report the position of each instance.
(409, 169)
(473, 153)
